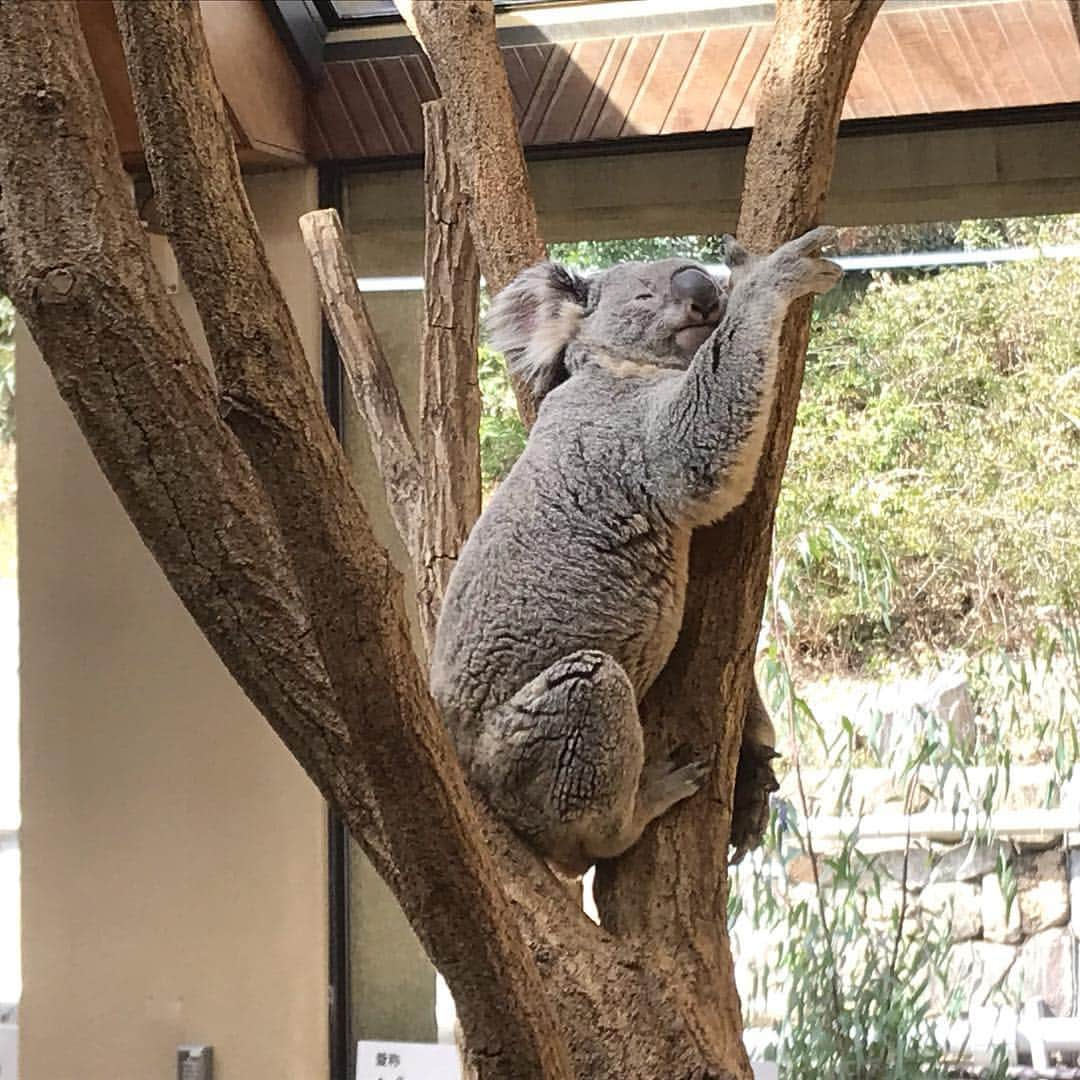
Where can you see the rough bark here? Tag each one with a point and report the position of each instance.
(459, 40)
(449, 430)
(670, 892)
(367, 371)
(226, 533)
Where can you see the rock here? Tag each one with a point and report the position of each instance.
(1001, 921)
(800, 870)
(1043, 891)
(918, 866)
(899, 710)
(1074, 891)
(976, 969)
(966, 862)
(960, 903)
(1047, 963)
(882, 906)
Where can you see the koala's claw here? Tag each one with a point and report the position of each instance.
(666, 782)
(812, 242)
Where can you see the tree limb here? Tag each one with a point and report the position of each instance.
(368, 374)
(459, 39)
(449, 381)
(81, 277)
(671, 889)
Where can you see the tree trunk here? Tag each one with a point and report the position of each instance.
(240, 491)
(670, 891)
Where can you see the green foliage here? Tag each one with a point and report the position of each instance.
(940, 424)
(502, 434)
(597, 254)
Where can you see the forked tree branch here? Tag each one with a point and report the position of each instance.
(227, 540)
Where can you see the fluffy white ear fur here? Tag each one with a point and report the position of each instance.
(533, 320)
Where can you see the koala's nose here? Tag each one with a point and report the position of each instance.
(696, 287)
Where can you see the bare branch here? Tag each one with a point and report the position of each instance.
(369, 375)
(449, 382)
(460, 42)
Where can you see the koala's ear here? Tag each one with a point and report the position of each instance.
(533, 320)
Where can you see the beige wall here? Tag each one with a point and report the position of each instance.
(173, 852)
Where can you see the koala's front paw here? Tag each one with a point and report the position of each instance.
(797, 269)
(755, 781)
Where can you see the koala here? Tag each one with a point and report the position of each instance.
(656, 383)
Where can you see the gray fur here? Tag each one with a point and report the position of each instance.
(568, 596)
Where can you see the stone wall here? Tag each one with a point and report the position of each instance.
(1009, 908)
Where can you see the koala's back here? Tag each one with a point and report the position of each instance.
(571, 553)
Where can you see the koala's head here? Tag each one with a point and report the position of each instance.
(650, 312)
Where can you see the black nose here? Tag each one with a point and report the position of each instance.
(698, 288)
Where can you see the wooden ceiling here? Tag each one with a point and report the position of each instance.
(921, 58)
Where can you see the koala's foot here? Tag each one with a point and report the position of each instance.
(668, 781)
(755, 781)
(560, 762)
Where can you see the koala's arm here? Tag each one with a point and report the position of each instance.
(707, 428)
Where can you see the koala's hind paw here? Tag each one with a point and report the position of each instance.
(755, 781)
(666, 782)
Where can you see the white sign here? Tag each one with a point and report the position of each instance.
(381, 1060)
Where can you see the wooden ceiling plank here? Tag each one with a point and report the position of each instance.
(994, 53)
(925, 66)
(682, 88)
(1028, 55)
(599, 94)
(1053, 23)
(742, 73)
(948, 57)
(984, 92)
(372, 74)
(521, 82)
(535, 58)
(706, 78)
(625, 86)
(744, 118)
(420, 74)
(362, 112)
(341, 132)
(662, 81)
(572, 94)
(536, 62)
(893, 70)
(545, 90)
